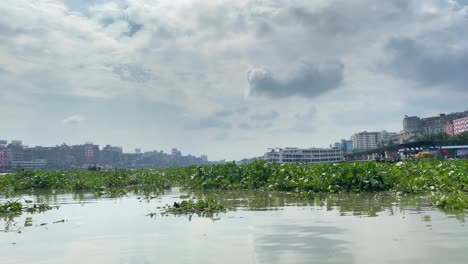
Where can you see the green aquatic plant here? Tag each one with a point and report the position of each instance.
(422, 177)
(207, 207)
(11, 207)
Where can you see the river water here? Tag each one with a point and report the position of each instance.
(262, 228)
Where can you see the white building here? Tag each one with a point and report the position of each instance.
(372, 140)
(37, 164)
(297, 155)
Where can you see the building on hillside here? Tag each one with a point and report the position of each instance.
(457, 126)
(297, 155)
(345, 145)
(414, 126)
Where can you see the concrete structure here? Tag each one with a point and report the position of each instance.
(15, 152)
(176, 152)
(372, 140)
(345, 145)
(385, 137)
(4, 160)
(37, 164)
(111, 155)
(15, 156)
(457, 126)
(297, 155)
(365, 140)
(414, 126)
(85, 155)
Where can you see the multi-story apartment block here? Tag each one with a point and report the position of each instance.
(414, 126)
(365, 140)
(311, 155)
(372, 140)
(15, 152)
(4, 160)
(457, 126)
(385, 137)
(85, 155)
(111, 155)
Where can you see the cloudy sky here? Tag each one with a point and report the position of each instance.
(226, 78)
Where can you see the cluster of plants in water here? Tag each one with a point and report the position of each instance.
(446, 182)
(16, 207)
(84, 180)
(207, 207)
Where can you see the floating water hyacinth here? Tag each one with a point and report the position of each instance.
(409, 177)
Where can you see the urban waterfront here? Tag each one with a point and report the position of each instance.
(252, 131)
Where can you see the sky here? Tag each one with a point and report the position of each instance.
(226, 78)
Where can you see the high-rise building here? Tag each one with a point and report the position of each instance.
(345, 145)
(85, 155)
(15, 151)
(176, 152)
(4, 160)
(372, 140)
(385, 137)
(365, 140)
(111, 155)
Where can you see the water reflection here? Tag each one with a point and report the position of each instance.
(262, 227)
(364, 204)
(301, 244)
(359, 205)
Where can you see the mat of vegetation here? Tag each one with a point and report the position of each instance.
(446, 182)
(207, 207)
(84, 180)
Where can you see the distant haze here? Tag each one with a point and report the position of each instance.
(226, 78)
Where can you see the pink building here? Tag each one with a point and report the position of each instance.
(3, 157)
(449, 128)
(457, 126)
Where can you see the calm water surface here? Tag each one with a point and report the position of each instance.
(262, 228)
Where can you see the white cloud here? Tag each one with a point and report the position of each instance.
(73, 120)
(167, 65)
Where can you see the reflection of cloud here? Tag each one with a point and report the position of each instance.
(74, 119)
(280, 243)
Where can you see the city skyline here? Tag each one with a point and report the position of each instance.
(226, 78)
